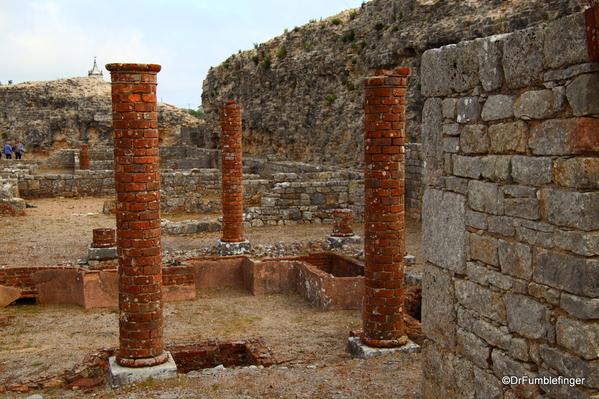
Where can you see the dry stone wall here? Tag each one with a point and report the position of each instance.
(302, 92)
(511, 216)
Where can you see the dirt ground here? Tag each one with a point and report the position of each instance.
(45, 340)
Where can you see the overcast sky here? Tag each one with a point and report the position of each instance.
(56, 39)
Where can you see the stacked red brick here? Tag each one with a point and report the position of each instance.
(384, 242)
(103, 238)
(137, 183)
(232, 172)
(342, 219)
(84, 160)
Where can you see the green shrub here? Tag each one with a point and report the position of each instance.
(282, 52)
(335, 21)
(256, 59)
(349, 36)
(266, 63)
(330, 98)
(352, 15)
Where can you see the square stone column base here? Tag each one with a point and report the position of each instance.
(101, 253)
(119, 376)
(234, 248)
(360, 350)
(339, 242)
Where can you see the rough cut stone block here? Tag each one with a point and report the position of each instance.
(485, 197)
(504, 365)
(478, 220)
(560, 390)
(531, 170)
(502, 225)
(486, 385)
(571, 366)
(565, 137)
(515, 259)
(484, 301)
(456, 184)
(577, 172)
(8, 295)
(496, 336)
(578, 336)
(449, 108)
(499, 106)
(528, 317)
(468, 109)
(432, 137)
(497, 168)
(565, 42)
(517, 191)
(451, 144)
(584, 243)
(438, 306)
(580, 306)
(470, 167)
(437, 381)
(452, 129)
(523, 57)
(537, 104)
(527, 208)
(578, 276)
(452, 68)
(474, 139)
(583, 95)
(444, 234)
(490, 62)
(484, 248)
(472, 347)
(571, 208)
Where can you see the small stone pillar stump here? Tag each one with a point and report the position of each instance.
(84, 160)
(104, 244)
(384, 236)
(232, 242)
(343, 232)
(137, 183)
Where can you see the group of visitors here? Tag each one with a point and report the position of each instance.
(17, 148)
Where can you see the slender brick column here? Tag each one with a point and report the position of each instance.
(384, 237)
(84, 157)
(342, 219)
(232, 241)
(137, 182)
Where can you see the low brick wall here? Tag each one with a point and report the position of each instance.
(198, 355)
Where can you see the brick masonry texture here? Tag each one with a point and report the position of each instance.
(137, 183)
(232, 172)
(384, 188)
(510, 215)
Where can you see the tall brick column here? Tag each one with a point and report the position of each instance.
(232, 242)
(384, 237)
(137, 182)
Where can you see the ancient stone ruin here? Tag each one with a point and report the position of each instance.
(501, 110)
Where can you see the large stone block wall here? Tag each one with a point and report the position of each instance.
(511, 215)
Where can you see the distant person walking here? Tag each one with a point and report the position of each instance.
(18, 149)
(8, 150)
